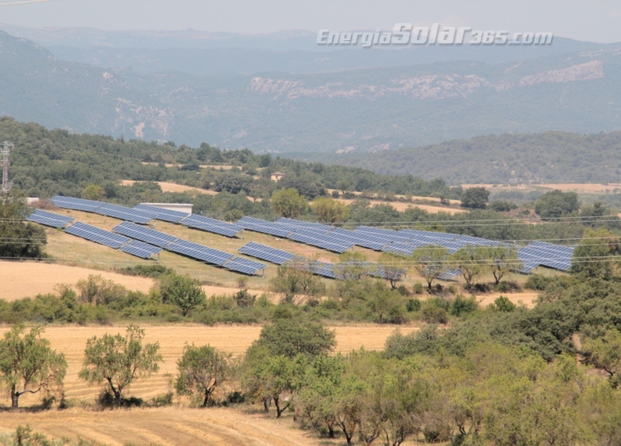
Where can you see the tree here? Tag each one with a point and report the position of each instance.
(591, 258)
(233, 183)
(392, 267)
(17, 238)
(93, 192)
(295, 279)
(605, 354)
(475, 198)
(329, 210)
(28, 364)
(353, 266)
(201, 371)
(118, 360)
(292, 336)
(502, 259)
(182, 291)
(288, 203)
(430, 262)
(555, 204)
(470, 261)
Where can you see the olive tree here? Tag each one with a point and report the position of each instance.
(201, 371)
(28, 364)
(430, 262)
(118, 360)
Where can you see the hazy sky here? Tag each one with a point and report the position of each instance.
(593, 20)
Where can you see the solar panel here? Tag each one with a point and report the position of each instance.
(162, 214)
(266, 253)
(546, 254)
(244, 266)
(140, 249)
(146, 235)
(449, 274)
(124, 213)
(78, 204)
(265, 227)
(324, 269)
(324, 242)
(49, 219)
(365, 240)
(304, 224)
(97, 235)
(212, 225)
(200, 252)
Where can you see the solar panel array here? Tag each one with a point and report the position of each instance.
(189, 249)
(546, 254)
(97, 235)
(266, 253)
(78, 204)
(49, 219)
(212, 225)
(246, 266)
(140, 249)
(265, 227)
(124, 213)
(162, 214)
(146, 235)
(200, 252)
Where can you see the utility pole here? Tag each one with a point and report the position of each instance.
(5, 149)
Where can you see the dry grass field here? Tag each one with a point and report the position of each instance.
(401, 206)
(172, 425)
(27, 279)
(580, 188)
(165, 426)
(173, 187)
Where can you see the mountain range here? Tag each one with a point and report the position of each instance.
(281, 93)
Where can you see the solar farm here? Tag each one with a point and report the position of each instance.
(135, 235)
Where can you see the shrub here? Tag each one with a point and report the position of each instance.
(413, 305)
(418, 288)
(462, 306)
(152, 271)
(505, 305)
(433, 314)
(244, 299)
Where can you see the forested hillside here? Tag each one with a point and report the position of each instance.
(48, 162)
(552, 157)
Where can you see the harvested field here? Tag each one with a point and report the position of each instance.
(172, 187)
(401, 206)
(26, 279)
(71, 340)
(165, 426)
(580, 188)
(585, 188)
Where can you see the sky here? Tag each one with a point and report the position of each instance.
(590, 20)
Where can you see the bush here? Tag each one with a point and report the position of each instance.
(244, 299)
(403, 290)
(537, 282)
(152, 271)
(506, 287)
(461, 306)
(432, 314)
(413, 305)
(418, 288)
(505, 305)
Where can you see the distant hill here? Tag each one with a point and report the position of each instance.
(552, 157)
(362, 110)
